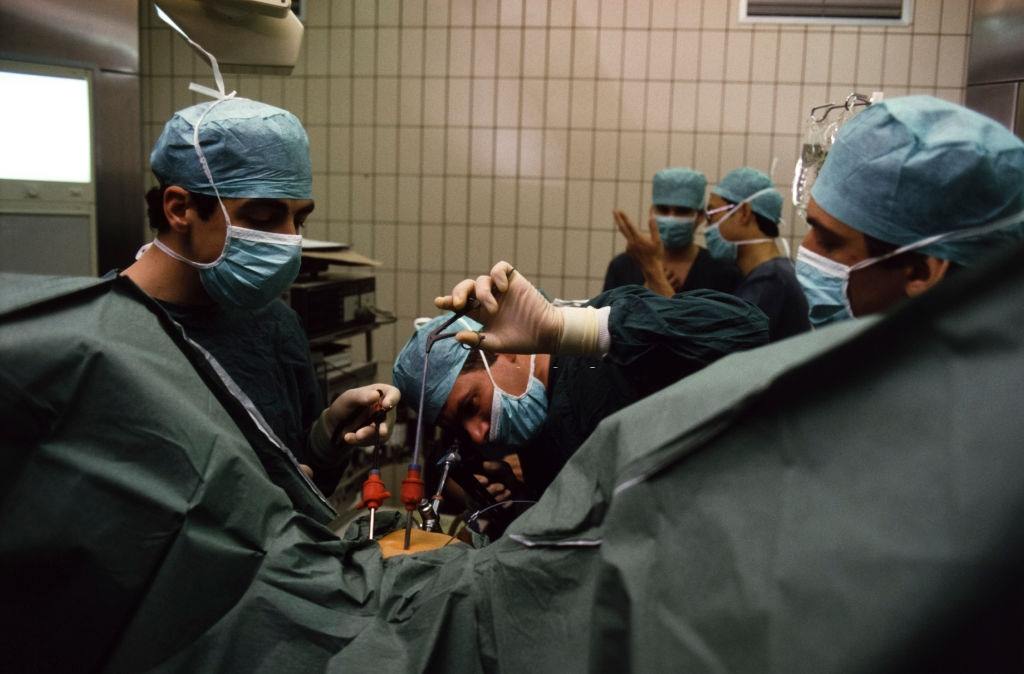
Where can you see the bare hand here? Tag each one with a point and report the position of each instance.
(499, 480)
(674, 280)
(646, 249)
(355, 408)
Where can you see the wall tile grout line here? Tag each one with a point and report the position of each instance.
(466, 270)
(494, 136)
(444, 151)
(567, 168)
(618, 131)
(516, 261)
(419, 199)
(593, 136)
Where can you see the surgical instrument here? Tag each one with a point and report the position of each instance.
(374, 490)
(447, 461)
(412, 485)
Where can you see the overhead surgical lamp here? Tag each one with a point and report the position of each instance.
(246, 36)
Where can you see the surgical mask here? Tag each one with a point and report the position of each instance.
(253, 268)
(826, 282)
(675, 232)
(516, 419)
(718, 246)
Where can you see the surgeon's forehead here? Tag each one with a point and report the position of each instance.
(714, 201)
(841, 241)
(270, 207)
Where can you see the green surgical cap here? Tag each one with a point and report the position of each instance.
(909, 168)
(446, 360)
(679, 187)
(253, 149)
(740, 183)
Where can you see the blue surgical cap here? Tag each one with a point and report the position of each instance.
(446, 360)
(253, 149)
(740, 183)
(909, 168)
(679, 187)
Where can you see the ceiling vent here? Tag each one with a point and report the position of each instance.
(891, 12)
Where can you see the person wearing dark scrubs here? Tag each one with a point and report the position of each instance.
(266, 353)
(227, 244)
(670, 253)
(550, 374)
(742, 217)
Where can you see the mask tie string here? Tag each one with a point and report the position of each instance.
(220, 95)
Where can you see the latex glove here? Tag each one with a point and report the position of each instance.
(515, 316)
(354, 409)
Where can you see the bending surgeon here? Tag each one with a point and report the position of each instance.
(913, 189)
(669, 261)
(540, 377)
(743, 215)
(235, 189)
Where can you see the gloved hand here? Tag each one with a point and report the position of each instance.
(354, 408)
(516, 317)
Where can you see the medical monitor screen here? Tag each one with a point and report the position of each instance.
(46, 128)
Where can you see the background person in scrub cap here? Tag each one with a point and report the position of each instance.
(665, 258)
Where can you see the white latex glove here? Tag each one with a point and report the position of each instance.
(354, 408)
(516, 317)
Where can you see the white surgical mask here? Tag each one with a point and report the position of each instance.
(826, 283)
(517, 418)
(721, 248)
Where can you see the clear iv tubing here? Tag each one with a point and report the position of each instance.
(419, 414)
(472, 518)
(478, 513)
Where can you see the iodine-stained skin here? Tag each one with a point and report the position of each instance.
(845, 500)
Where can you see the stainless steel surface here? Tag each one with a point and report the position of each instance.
(997, 42)
(998, 101)
(120, 215)
(26, 243)
(1018, 123)
(101, 35)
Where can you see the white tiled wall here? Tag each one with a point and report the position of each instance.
(448, 134)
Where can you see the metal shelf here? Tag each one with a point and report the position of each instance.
(333, 379)
(350, 331)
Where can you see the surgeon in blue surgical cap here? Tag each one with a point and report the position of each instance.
(235, 187)
(912, 190)
(743, 215)
(664, 256)
(541, 376)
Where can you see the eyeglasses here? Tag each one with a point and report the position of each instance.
(708, 213)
